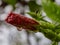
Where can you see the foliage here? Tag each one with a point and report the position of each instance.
(52, 10)
(50, 30)
(11, 2)
(33, 6)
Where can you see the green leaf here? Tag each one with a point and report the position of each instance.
(52, 10)
(33, 6)
(58, 37)
(54, 43)
(12, 2)
(49, 34)
(57, 31)
(47, 25)
(37, 16)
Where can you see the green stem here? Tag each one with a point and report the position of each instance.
(54, 43)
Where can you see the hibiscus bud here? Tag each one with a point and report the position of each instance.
(19, 20)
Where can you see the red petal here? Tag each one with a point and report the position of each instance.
(21, 21)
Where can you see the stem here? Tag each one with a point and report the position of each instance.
(54, 43)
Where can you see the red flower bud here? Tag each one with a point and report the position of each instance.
(21, 21)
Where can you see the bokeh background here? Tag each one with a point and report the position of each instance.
(9, 35)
